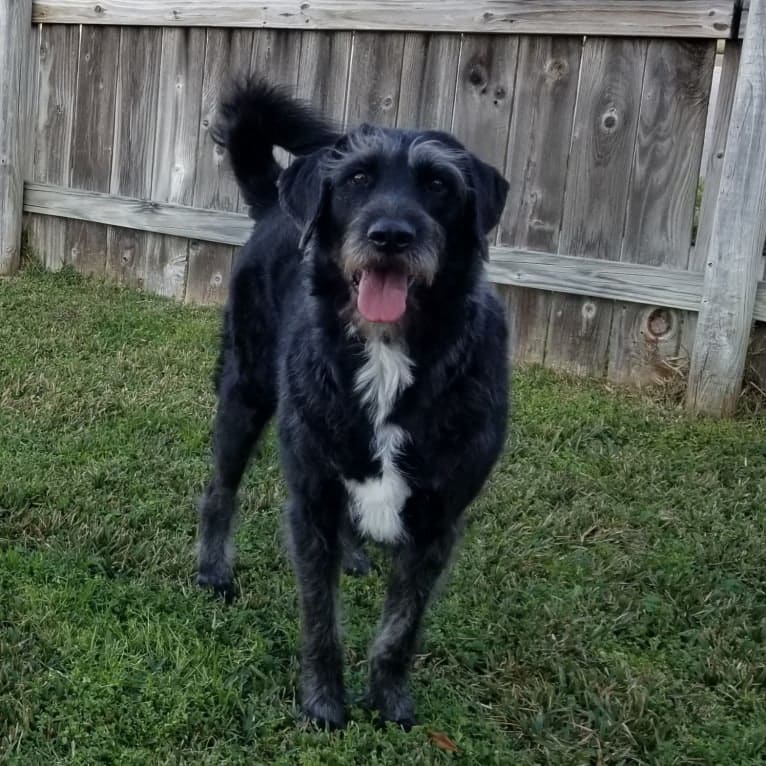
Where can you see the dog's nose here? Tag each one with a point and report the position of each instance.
(391, 235)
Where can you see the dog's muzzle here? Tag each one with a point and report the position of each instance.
(382, 288)
(383, 260)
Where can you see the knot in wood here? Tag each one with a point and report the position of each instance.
(610, 120)
(477, 75)
(588, 310)
(388, 102)
(659, 323)
(555, 69)
(98, 10)
(217, 279)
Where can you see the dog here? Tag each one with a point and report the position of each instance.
(359, 313)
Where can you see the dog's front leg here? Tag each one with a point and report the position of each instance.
(416, 569)
(315, 549)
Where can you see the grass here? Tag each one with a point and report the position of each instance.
(608, 606)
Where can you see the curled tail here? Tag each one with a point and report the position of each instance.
(254, 117)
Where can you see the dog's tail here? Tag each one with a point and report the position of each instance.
(254, 117)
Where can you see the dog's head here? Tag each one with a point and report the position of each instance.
(395, 211)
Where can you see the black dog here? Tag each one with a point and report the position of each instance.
(360, 313)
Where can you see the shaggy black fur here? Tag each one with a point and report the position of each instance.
(387, 428)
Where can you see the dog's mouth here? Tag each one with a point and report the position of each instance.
(381, 294)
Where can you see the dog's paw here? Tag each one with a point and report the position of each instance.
(325, 712)
(356, 562)
(391, 706)
(222, 588)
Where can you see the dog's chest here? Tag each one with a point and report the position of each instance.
(376, 503)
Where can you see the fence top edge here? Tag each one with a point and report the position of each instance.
(627, 18)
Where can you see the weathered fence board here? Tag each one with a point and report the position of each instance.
(538, 150)
(605, 126)
(14, 25)
(57, 62)
(132, 160)
(654, 18)
(644, 343)
(29, 94)
(278, 51)
(484, 95)
(429, 73)
(375, 79)
(175, 152)
(711, 178)
(228, 53)
(92, 140)
(162, 218)
(734, 258)
(323, 75)
(639, 283)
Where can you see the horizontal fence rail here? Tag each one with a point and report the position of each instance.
(632, 282)
(634, 18)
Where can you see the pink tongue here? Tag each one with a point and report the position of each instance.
(382, 295)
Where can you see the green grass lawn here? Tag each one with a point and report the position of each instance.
(608, 605)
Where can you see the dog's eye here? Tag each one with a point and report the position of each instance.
(436, 185)
(360, 178)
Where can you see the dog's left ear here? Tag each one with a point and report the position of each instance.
(489, 191)
(303, 194)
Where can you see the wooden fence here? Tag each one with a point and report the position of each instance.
(594, 110)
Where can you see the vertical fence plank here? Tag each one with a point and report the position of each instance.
(228, 54)
(175, 152)
(58, 58)
(323, 74)
(30, 91)
(92, 140)
(32, 86)
(429, 75)
(135, 126)
(15, 21)
(538, 147)
(712, 180)
(606, 117)
(644, 343)
(734, 257)
(276, 56)
(484, 95)
(29, 94)
(375, 78)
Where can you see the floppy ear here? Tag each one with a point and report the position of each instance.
(490, 189)
(486, 198)
(303, 194)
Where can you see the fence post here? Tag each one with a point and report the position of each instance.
(15, 21)
(733, 261)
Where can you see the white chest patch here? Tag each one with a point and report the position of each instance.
(376, 503)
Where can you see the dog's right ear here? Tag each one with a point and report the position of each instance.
(303, 194)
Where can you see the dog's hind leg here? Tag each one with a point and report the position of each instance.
(355, 559)
(415, 571)
(315, 549)
(238, 424)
